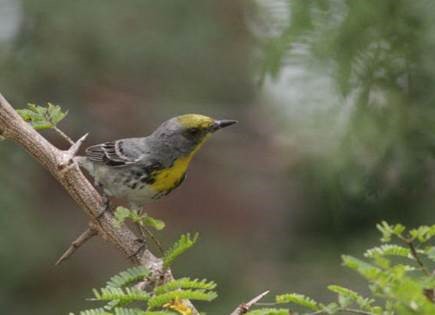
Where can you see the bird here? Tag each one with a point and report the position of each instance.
(140, 170)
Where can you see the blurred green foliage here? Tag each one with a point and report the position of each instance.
(377, 53)
(398, 277)
(162, 47)
(121, 68)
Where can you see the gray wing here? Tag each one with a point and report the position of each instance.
(115, 153)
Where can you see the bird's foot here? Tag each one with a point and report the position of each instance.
(142, 243)
(106, 203)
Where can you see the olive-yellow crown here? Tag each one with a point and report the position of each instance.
(195, 121)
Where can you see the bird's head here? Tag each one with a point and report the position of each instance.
(186, 133)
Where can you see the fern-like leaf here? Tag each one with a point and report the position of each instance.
(269, 311)
(388, 230)
(299, 299)
(135, 311)
(123, 296)
(162, 299)
(122, 214)
(367, 270)
(364, 303)
(185, 283)
(127, 277)
(423, 233)
(96, 311)
(388, 250)
(128, 311)
(183, 244)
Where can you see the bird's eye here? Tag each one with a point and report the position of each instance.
(193, 131)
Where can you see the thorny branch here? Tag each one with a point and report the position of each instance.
(60, 164)
(245, 307)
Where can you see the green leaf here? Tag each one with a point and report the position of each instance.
(152, 222)
(423, 233)
(430, 253)
(185, 283)
(124, 296)
(344, 291)
(124, 311)
(96, 311)
(388, 250)
(269, 311)
(331, 308)
(128, 311)
(182, 245)
(121, 214)
(42, 117)
(299, 299)
(352, 296)
(128, 277)
(388, 230)
(135, 311)
(367, 270)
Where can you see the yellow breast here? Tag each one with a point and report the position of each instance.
(169, 178)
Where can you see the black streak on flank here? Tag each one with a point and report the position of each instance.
(148, 180)
(110, 162)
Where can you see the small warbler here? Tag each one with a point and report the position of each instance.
(142, 169)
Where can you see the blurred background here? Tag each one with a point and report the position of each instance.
(335, 101)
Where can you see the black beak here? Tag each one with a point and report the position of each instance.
(219, 124)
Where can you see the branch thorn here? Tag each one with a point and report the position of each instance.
(244, 307)
(72, 151)
(79, 241)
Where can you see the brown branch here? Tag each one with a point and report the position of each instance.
(244, 307)
(60, 164)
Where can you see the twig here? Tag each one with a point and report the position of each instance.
(63, 135)
(417, 258)
(60, 164)
(144, 230)
(83, 238)
(414, 254)
(244, 307)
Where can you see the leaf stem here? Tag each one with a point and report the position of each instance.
(144, 230)
(63, 135)
(417, 258)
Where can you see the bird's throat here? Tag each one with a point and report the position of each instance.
(170, 178)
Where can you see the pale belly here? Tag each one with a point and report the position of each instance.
(135, 185)
(121, 184)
